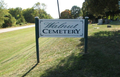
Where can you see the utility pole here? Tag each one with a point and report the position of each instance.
(58, 9)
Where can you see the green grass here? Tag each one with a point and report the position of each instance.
(115, 23)
(61, 57)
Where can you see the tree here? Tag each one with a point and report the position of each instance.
(3, 12)
(66, 14)
(39, 10)
(37, 5)
(86, 13)
(49, 16)
(43, 6)
(29, 15)
(17, 13)
(84, 9)
(9, 21)
(75, 11)
(101, 7)
(44, 15)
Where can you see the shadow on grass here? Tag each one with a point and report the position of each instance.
(115, 23)
(30, 70)
(103, 59)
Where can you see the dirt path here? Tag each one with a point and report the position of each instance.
(15, 28)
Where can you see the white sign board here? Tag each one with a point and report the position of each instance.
(61, 27)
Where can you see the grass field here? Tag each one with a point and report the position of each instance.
(61, 57)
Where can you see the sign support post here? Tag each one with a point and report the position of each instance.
(86, 34)
(37, 37)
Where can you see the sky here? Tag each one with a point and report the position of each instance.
(51, 9)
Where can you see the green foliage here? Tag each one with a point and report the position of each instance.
(75, 11)
(48, 16)
(3, 12)
(37, 5)
(66, 14)
(10, 21)
(40, 12)
(17, 13)
(84, 8)
(44, 15)
(21, 20)
(29, 15)
(19, 16)
(100, 7)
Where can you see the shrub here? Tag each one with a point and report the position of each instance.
(21, 20)
(9, 21)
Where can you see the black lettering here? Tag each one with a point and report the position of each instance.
(48, 24)
(69, 31)
(73, 32)
(75, 26)
(61, 25)
(64, 31)
(65, 26)
(77, 31)
(55, 31)
(60, 32)
(68, 26)
(51, 25)
(71, 26)
(45, 31)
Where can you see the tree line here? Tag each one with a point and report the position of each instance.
(94, 9)
(108, 9)
(73, 13)
(12, 16)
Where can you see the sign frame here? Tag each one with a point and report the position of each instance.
(61, 28)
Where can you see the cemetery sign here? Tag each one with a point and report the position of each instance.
(61, 27)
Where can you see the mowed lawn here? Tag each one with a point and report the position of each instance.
(61, 57)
